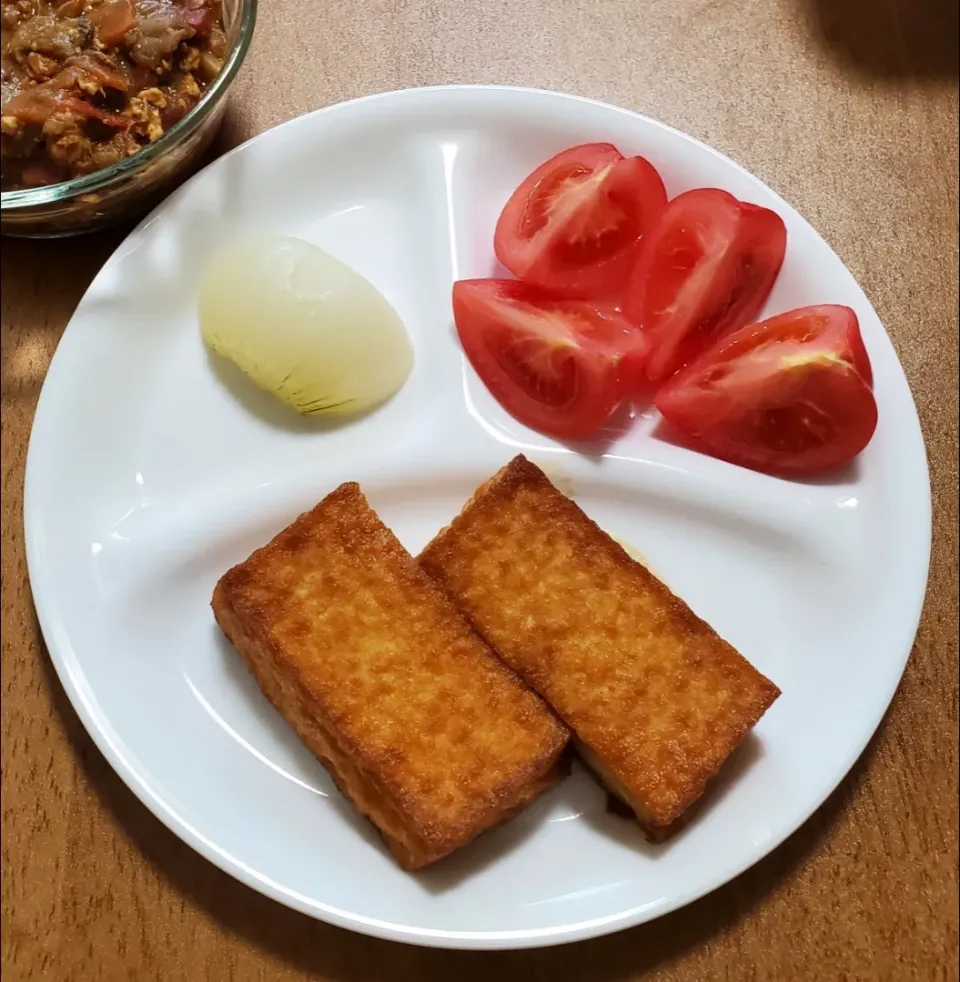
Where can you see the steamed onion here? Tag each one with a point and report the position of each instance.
(303, 326)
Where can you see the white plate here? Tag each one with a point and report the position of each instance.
(151, 471)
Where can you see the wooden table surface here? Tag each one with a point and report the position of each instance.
(848, 108)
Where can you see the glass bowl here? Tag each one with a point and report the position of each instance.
(133, 185)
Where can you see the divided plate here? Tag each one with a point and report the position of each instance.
(152, 468)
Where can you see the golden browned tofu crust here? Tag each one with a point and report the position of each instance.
(428, 733)
(656, 699)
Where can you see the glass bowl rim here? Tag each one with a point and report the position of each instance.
(27, 198)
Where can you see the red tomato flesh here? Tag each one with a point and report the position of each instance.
(561, 367)
(113, 20)
(790, 395)
(704, 271)
(573, 225)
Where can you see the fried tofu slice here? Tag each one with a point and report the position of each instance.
(656, 699)
(422, 727)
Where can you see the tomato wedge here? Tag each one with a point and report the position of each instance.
(573, 225)
(705, 270)
(559, 366)
(113, 20)
(790, 395)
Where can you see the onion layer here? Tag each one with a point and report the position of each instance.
(303, 325)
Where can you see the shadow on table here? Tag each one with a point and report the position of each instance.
(896, 39)
(38, 275)
(326, 952)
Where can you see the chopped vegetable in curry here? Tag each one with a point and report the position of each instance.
(89, 82)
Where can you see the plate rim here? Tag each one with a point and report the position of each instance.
(67, 665)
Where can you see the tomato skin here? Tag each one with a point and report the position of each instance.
(790, 395)
(559, 366)
(762, 247)
(705, 270)
(573, 225)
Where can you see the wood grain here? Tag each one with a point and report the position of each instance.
(848, 108)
